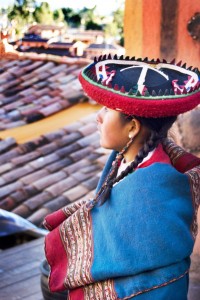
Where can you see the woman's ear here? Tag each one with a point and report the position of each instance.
(134, 128)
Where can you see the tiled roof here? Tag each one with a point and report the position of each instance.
(33, 39)
(45, 174)
(50, 50)
(31, 90)
(101, 46)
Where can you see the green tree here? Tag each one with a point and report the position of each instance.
(21, 13)
(115, 28)
(72, 19)
(90, 25)
(89, 19)
(58, 16)
(43, 14)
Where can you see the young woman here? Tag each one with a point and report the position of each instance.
(135, 238)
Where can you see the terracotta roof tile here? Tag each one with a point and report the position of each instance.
(44, 160)
(30, 111)
(91, 183)
(51, 109)
(48, 149)
(43, 75)
(88, 196)
(22, 211)
(102, 159)
(6, 157)
(30, 190)
(9, 188)
(62, 186)
(52, 136)
(38, 216)
(16, 70)
(56, 203)
(68, 139)
(25, 158)
(5, 167)
(19, 196)
(71, 94)
(44, 67)
(14, 115)
(89, 168)
(11, 84)
(88, 128)
(14, 124)
(91, 118)
(28, 81)
(64, 103)
(32, 65)
(58, 69)
(38, 200)
(26, 77)
(51, 179)
(82, 176)
(75, 193)
(76, 72)
(7, 100)
(55, 77)
(28, 179)
(72, 88)
(17, 173)
(45, 100)
(2, 181)
(78, 155)
(76, 166)
(89, 140)
(64, 166)
(73, 127)
(6, 144)
(41, 92)
(66, 79)
(40, 85)
(58, 165)
(29, 98)
(12, 105)
(8, 203)
(68, 150)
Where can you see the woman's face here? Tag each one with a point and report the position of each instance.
(113, 131)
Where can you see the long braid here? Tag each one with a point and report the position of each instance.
(149, 145)
(159, 128)
(104, 192)
(105, 189)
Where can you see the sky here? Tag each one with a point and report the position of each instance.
(102, 8)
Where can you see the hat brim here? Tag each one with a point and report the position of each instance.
(139, 106)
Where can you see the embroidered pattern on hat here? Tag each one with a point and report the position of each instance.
(145, 88)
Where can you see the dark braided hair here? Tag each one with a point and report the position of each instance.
(158, 131)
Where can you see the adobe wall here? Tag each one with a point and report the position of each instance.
(158, 28)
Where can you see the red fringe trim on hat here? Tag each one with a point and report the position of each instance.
(159, 107)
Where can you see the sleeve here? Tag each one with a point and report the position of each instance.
(188, 164)
(194, 179)
(181, 159)
(53, 220)
(68, 250)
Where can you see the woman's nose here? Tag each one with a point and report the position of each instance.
(99, 116)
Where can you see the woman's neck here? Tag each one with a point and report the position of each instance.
(131, 153)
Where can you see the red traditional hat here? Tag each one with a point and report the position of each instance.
(145, 88)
